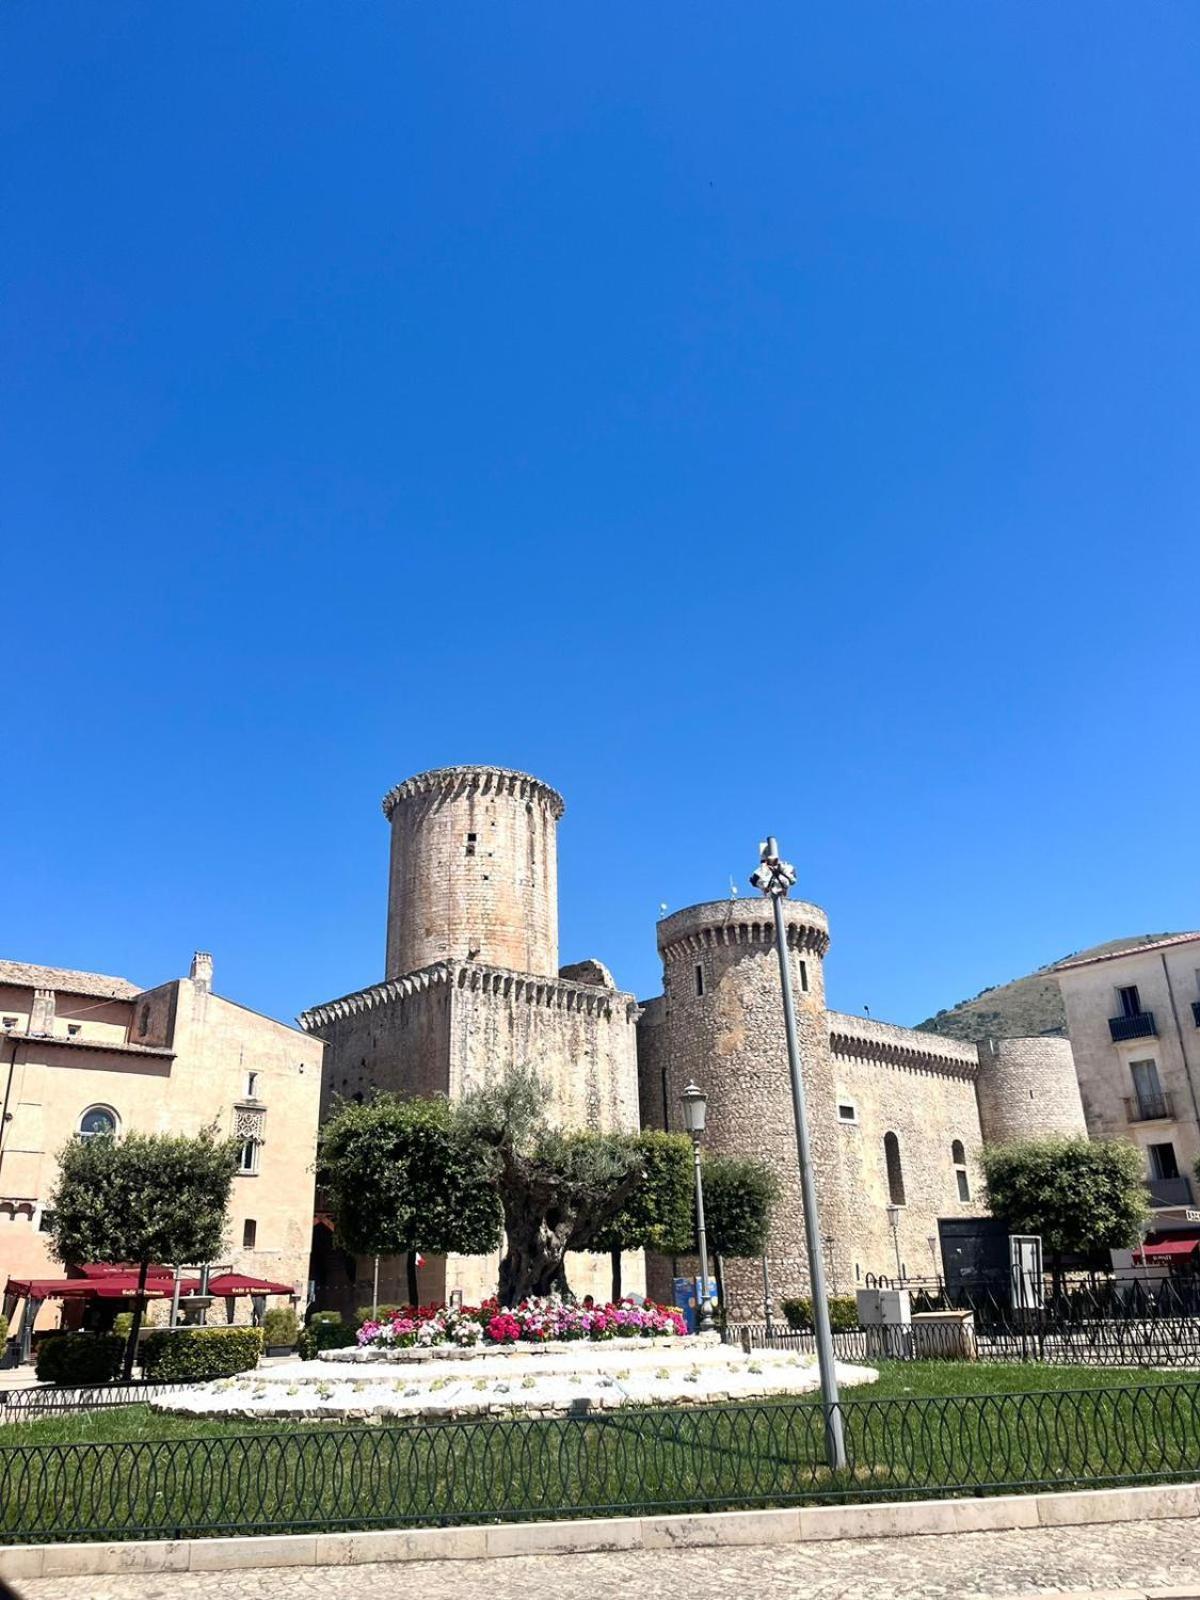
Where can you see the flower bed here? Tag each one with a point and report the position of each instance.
(532, 1322)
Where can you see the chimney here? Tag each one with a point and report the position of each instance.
(41, 1013)
(202, 971)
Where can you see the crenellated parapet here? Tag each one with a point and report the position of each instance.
(689, 933)
(455, 782)
(864, 1039)
(552, 994)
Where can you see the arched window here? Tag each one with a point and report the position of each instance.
(98, 1122)
(959, 1157)
(895, 1172)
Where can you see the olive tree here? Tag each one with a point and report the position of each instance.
(658, 1214)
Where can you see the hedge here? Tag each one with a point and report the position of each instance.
(80, 1358)
(196, 1354)
(843, 1314)
(326, 1331)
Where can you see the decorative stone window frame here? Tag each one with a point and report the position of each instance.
(108, 1111)
(249, 1124)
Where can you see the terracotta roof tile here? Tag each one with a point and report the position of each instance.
(27, 976)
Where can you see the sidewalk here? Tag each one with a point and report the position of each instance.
(1131, 1559)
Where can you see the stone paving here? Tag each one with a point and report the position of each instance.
(1131, 1558)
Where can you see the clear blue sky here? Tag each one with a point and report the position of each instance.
(770, 417)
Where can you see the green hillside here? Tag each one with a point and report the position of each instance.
(1024, 1007)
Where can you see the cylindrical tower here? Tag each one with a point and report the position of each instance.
(1027, 1089)
(724, 1028)
(474, 871)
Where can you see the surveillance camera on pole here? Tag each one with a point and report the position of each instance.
(774, 877)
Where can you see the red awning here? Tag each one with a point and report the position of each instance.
(238, 1283)
(1168, 1248)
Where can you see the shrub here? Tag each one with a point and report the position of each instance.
(384, 1314)
(80, 1358)
(843, 1314)
(122, 1323)
(3, 1330)
(280, 1327)
(183, 1355)
(326, 1331)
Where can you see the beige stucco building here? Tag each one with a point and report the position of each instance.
(1134, 1023)
(83, 1053)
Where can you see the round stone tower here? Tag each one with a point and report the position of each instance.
(474, 870)
(723, 1015)
(1027, 1089)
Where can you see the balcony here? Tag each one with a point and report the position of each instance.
(1170, 1191)
(1139, 1026)
(1150, 1108)
(1196, 1011)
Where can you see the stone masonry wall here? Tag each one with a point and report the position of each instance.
(474, 870)
(1028, 1090)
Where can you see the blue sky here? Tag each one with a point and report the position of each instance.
(759, 418)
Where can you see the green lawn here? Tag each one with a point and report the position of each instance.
(924, 1429)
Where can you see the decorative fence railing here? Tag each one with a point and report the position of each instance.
(49, 1400)
(617, 1463)
(1100, 1342)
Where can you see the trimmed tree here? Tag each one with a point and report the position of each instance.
(148, 1197)
(558, 1191)
(740, 1195)
(401, 1176)
(659, 1213)
(1081, 1196)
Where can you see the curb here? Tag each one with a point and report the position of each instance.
(883, 1520)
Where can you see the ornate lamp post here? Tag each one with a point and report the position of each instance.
(695, 1110)
(775, 877)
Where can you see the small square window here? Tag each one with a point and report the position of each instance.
(249, 1233)
(847, 1111)
(472, 839)
(252, 1086)
(73, 1028)
(10, 1022)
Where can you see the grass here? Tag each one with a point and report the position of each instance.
(925, 1428)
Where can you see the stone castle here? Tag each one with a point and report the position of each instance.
(473, 984)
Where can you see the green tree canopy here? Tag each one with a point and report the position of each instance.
(401, 1176)
(558, 1190)
(659, 1213)
(740, 1195)
(1081, 1196)
(146, 1197)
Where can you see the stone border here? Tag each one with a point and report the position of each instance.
(883, 1520)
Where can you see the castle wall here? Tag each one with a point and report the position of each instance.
(921, 1089)
(1028, 1090)
(474, 870)
(393, 1037)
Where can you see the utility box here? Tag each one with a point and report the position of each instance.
(944, 1336)
(886, 1314)
(688, 1296)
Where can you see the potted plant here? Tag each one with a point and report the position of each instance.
(280, 1331)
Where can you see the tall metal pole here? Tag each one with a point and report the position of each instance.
(704, 1310)
(776, 882)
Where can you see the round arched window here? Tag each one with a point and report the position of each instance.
(98, 1122)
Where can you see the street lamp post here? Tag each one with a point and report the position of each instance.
(893, 1216)
(775, 877)
(695, 1109)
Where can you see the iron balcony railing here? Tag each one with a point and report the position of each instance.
(1149, 1108)
(1170, 1191)
(616, 1463)
(1139, 1026)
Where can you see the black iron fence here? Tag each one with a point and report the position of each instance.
(1151, 1342)
(49, 1400)
(702, 1458)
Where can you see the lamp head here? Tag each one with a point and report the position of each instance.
(695, 1108)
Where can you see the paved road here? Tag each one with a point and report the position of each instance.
(1136, 1556)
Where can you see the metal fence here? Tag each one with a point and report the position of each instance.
(51, 1400)
(627, 1462)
